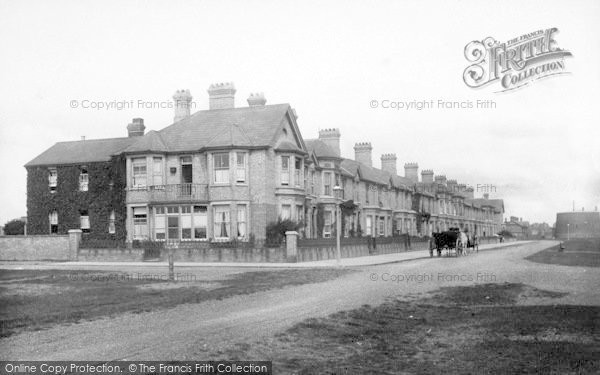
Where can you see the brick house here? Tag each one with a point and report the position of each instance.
(227, 172)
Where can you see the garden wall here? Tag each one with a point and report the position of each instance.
(36, 247)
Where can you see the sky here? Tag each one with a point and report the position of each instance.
(538, 148)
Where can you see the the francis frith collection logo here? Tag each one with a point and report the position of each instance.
(514, 63)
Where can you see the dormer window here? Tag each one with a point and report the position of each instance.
(52, 179)
(83, 179)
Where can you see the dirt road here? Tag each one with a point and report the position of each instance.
(195, 331)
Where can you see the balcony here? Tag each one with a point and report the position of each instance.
(168, 193)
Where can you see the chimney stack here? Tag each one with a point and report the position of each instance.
(136, 128)
(331, 137)
(257, 100)
(452, 186)
(427, 176)
(469, 193)
(362, 153)
(411, 171)
(183, 101)
(221, 96)
(441, 179)
(388, 163)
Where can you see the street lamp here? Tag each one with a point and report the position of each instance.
(568, 231)
(338, 224)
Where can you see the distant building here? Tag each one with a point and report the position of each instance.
(517, 227)
(579, 224)
(541, 230)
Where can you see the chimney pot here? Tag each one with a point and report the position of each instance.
(257, 100)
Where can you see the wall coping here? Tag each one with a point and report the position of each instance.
(34, 235)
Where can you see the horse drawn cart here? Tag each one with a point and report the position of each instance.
(454, 241)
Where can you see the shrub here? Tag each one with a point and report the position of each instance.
(276, 230)
(14, 227)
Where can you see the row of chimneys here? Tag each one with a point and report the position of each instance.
(220, 96)
(363, 154)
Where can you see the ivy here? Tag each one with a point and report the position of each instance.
(106, 192)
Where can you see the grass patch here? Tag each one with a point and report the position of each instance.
(458, 330)
(579, 252)
(37, 299)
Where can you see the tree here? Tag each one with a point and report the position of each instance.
(14, 227)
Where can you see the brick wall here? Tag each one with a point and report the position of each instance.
(40, 247)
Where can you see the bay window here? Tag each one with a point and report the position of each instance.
(139, 172)
(241, 221)
(240, 167)
(221, 167)
(285, 170)
(221, 222)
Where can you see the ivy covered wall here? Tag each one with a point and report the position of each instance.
(106, 192)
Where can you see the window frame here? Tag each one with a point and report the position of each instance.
(221, 171)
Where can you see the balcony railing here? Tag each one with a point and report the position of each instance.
(168, 193)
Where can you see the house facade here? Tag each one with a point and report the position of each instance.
(227, 172)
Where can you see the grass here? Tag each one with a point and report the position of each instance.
(37, 299)
(459, 330)
(579, 252)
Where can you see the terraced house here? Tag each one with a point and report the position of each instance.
(227, 172)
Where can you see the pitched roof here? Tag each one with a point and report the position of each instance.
(367, 173)
(93, 150)
(321, 149)
(243, 126)
(152, 141)
(497, 204)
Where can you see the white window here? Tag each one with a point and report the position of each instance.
(52, 179)
(186, 223)
(83, 179)
(139, 172)
(159, 223)
(298, 171)
(328, 223)
(285, 170)
(222, 222)
(111, 222)
(200, 222)
(286, 212)
(84, 221)
(53, 219)
(327, 183)
(240, 167)
(369, 228)
(157, 171)
(221, 167)
(241, 221)
(140, 223)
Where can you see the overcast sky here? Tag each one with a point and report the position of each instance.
(539, 148)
